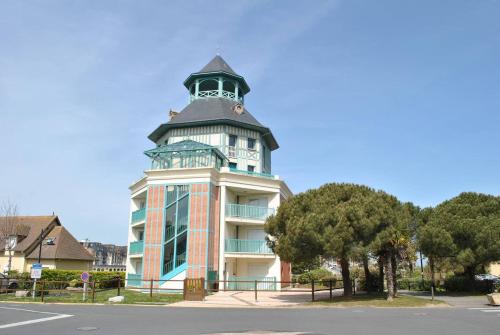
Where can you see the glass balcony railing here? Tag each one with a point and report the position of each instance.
(134, 279)
(252, 173)
(139, 215)
(248, 212)
(247, 246)
(136, 247)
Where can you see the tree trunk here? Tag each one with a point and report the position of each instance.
(368, 276)
(381, 274)
(389, 277)
(394, 266)
(433, 271)
(346, 277)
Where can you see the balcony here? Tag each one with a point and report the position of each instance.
(252, 173)
(139, 215)
(247, 246)
(248, 212)
(136, 248)
(134, 279)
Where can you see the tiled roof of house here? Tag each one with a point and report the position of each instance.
(63, 246)
(34, 225)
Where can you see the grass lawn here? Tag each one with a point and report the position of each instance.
(131, 297)
(378, 301)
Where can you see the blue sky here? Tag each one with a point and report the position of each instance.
(402, 96)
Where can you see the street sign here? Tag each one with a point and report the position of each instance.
(36, 271)
(85, 276)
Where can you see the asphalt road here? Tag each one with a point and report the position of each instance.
(138, 320)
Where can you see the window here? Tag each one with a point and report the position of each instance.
(232, 140)
(141, 235)
(251, 143)
(251, 168)
(232, 145)
(233, 166)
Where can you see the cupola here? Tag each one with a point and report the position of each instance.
(216, 80)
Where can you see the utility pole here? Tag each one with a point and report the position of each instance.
(40, 246)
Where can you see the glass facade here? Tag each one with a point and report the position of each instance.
(176, 224)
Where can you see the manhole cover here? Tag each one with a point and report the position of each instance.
(87, 329)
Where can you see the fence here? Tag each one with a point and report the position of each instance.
(136, 289)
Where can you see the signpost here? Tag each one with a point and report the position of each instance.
(36, 273)
(85, 276)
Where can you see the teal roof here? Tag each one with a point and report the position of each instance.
(183, 146)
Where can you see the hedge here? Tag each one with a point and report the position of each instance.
(104, 279)
(465, 284)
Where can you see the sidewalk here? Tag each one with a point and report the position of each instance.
(242, 299)
(454, 301)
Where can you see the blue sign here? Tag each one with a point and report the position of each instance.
(36, 271)
(85, 276)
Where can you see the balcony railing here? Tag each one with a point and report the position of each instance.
(247, 246)
(139, 215)
(252, 173)
(136, 247)
(248, 212)
(248, 283)
(134, 279)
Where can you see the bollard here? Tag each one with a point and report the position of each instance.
(93, 291)
(255, 291)
(312, 289)
(151, 289)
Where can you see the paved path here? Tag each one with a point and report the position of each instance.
(460, 301)
(134, 320)
(268, 299)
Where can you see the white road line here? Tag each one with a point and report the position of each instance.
(490, 310)
(28, 322)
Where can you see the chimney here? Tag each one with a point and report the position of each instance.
(172, 114)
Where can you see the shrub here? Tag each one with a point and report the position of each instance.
(465, 284)
(415, 284)
(316, 275)
(375, 282)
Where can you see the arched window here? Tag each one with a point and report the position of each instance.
(209, 85)
(228, 86)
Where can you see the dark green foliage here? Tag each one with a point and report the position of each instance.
(465, 284)
(374, 284)
(316, 275)
(414, 284)
(60, 279)
(464, 229)
(303, 267)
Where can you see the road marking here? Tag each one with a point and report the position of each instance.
(55, 316)
(490, 310)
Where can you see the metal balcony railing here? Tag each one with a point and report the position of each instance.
(136, 247)
(247, 246)
(139, 215)
(252, 173)
(248, 212)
